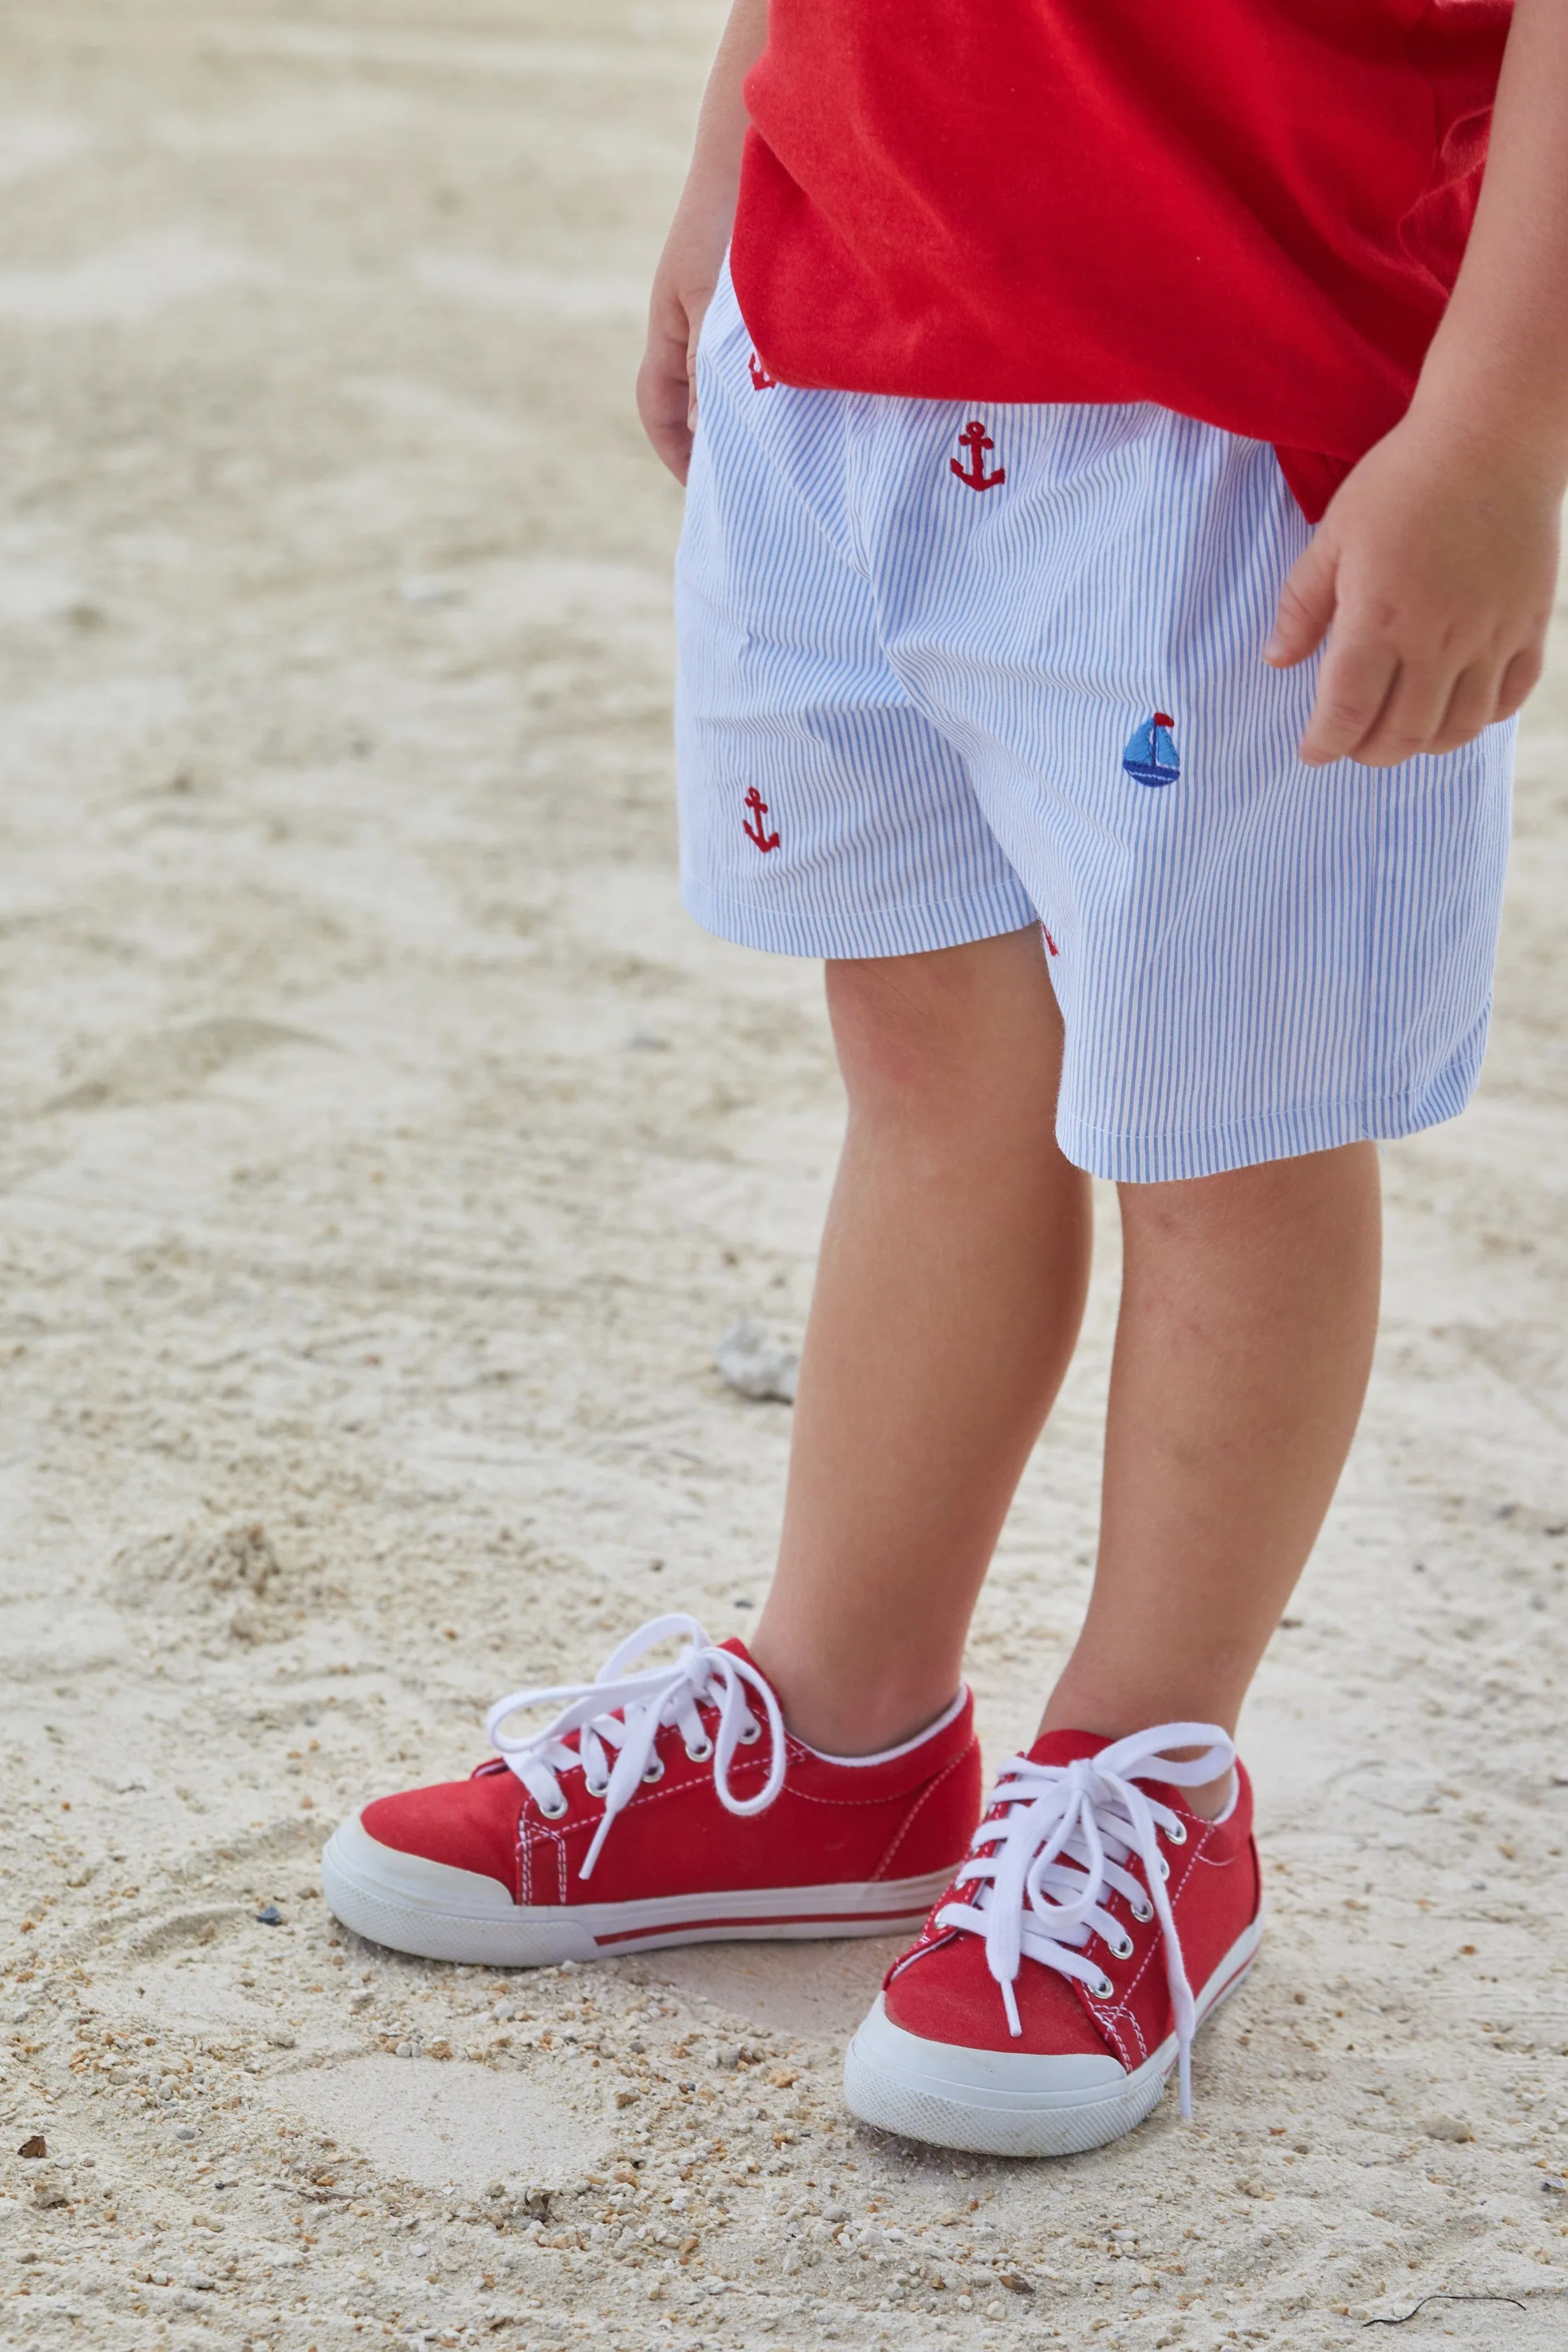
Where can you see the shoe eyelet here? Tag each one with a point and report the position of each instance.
(595, 1787)
(555, 1812)
(1164, 1867)
(1104, 1989)
(1178, 1835)
(655, 1771)
(1123, 1950)
(699, 1755)
(1143, 1913)
(753, 1732)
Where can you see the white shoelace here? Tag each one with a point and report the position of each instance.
(1055, 1844)
(625, 1712)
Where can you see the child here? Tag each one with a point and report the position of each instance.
(1045, 334)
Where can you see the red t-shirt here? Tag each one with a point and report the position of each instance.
(1249, 211)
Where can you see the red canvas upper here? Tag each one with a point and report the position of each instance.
(1248, 210)
(943, 1989)
(831, 1825)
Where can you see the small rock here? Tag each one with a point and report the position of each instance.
(269, 1915)
(756, 1362)
(48, 2193)
(1449, 2128)
(426, 588)
(184, 2131)
(36, 2146)
(727, 2056)
(279, 2037)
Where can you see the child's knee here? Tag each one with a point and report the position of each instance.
(945, 1037)
(1283, 1200)
(897, 1026)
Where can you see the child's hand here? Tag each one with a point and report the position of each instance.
(1436, 565)
(682, 288)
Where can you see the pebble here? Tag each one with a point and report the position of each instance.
(756, 1361)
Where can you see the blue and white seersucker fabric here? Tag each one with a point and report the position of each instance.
(936, 684)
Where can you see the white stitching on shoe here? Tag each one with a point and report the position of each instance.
(1054, 1846)
(885, 1866)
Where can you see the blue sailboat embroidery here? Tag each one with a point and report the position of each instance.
(1151, 757)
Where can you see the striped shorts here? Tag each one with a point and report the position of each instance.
(949, 669)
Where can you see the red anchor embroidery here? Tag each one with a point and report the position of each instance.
(976, 440)
(757, 832)
(761, 379)
(1049, 941)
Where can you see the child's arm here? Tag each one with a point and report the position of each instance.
(694, 250)
(1437, 562)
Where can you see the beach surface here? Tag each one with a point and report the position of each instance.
(383, 1155)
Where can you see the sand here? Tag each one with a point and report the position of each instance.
(384, 1155)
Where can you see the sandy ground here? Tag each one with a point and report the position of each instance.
(384, 1154)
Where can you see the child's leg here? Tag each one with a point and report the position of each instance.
(1248, 1310)
(948, 1298)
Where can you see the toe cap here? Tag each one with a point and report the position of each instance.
(464, 1824)
(945, 1993)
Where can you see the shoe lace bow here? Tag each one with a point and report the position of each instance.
(1054, 1850)
(618, 1718)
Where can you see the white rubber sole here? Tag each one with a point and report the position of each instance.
(441, 1914)
(994, 2103)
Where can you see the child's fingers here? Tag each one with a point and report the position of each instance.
(1306, 605)
(1412, 715)
(1472, 705)
(696, 311)
(1353, 687)
(662, 404)
(1519, 680)
(665, 399)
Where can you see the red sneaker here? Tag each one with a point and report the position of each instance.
(1051, 1994)
(663, 1806)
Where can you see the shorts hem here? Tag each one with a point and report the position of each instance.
(1273, 1135)
(832, 932)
